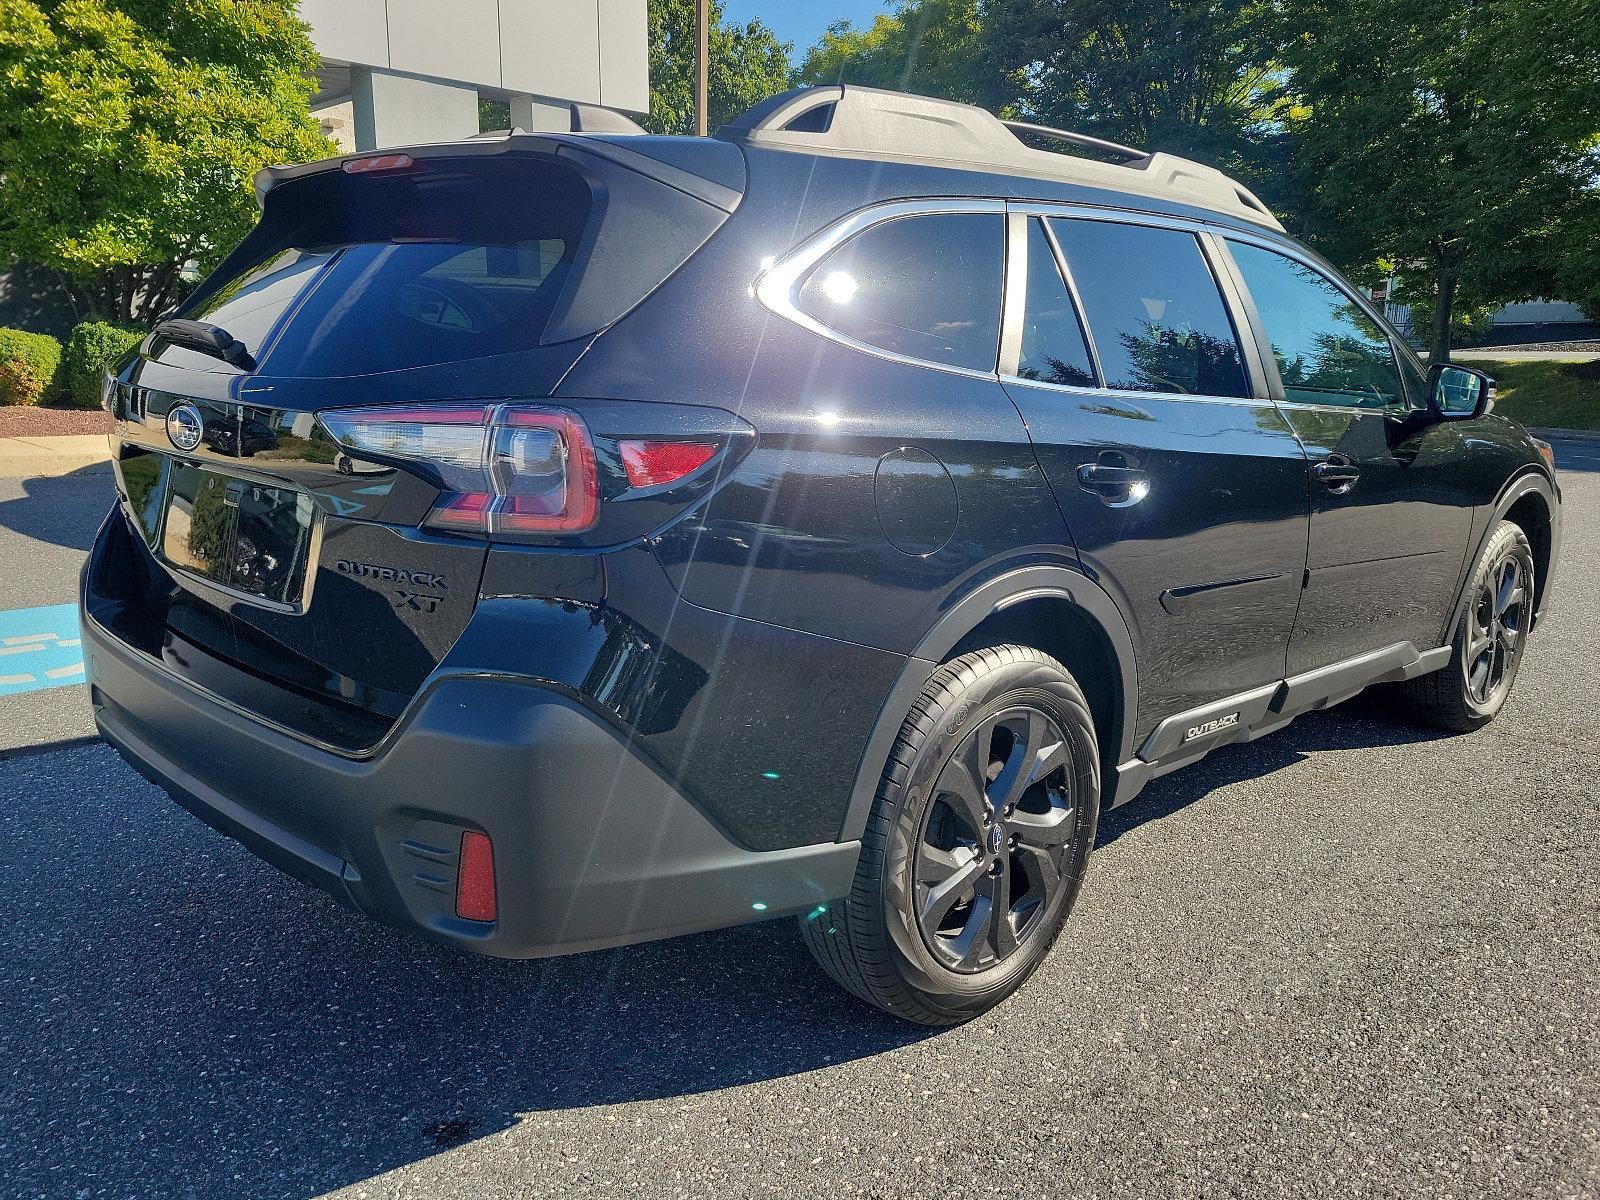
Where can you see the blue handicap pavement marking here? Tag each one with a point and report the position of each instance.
(39, 648)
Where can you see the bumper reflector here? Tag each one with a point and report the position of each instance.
(475, 896)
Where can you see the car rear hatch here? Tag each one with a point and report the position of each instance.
(317, 456)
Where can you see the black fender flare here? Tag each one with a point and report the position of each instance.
(992, 596)
(1529, 481)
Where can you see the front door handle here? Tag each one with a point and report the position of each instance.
(1336, 472)
(1117, 487)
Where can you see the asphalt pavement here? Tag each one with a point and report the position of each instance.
(1355, 958)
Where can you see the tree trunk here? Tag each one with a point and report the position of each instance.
(1444, 300)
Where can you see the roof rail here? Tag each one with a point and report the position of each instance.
(862, 122)
(1076, 139)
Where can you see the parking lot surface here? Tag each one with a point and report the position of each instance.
(1355, 958)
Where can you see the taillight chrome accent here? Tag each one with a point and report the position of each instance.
(506, 468)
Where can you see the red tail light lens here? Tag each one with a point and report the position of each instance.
(475, 892)
(507, 468)
(650, 463)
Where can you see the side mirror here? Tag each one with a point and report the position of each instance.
(1459, 393)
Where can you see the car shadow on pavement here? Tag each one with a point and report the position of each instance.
(62, 510)
(182, 1019)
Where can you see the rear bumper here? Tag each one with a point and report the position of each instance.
(593, 847)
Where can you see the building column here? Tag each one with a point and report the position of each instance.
(540, 116)
(392, 109)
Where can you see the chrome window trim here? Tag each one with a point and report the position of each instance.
(775, 286)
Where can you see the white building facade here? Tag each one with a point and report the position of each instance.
(406, 71)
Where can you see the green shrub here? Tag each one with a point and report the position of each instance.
(31, 361)
(91, 348)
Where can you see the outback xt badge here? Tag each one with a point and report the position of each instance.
(389, 574)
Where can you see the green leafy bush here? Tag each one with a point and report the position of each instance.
(91, 348)
(28, 365)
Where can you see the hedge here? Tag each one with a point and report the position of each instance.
(28, 366)
(91, 348)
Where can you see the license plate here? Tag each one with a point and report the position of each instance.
(244, 535)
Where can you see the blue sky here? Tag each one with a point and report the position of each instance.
(802, 21)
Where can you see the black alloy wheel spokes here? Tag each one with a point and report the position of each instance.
(1000, 825)
(1498, 623)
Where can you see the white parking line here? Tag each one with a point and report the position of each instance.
(30, 637)
(64, 672)
(5, 679)
(23, 649)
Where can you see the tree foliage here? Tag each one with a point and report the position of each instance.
(130, 130)
(1194, 77)
(931, 47)
(1451, 140)
(747, 64)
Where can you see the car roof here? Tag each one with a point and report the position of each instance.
(860, 122)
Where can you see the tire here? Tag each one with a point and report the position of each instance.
(962, 886)
(1489, 642)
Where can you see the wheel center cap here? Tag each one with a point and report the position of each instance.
(997, 837)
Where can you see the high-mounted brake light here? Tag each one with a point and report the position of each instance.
(506, 468)
(651, 463)
(378, 162)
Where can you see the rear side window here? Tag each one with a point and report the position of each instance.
(1157, 317)
(1328, 350)
(1054, 349)
(924, 287)
(385, 272)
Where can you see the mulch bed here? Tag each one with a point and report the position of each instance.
(52, 422)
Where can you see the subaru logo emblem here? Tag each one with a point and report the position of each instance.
(184, 426)
(997, 839)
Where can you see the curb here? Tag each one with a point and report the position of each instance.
(41, 457)
(1567, 435)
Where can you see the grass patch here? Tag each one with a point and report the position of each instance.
(1555, 395)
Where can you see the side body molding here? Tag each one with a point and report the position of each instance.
(1530, 482)
(961, 618)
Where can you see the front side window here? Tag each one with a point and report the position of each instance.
(1053, 345)
(1158, 320)
(924, 287)
(1328, 350)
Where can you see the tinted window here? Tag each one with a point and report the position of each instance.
(1053, 346)
(1158, 320)
(1328, 350)
(927, 287)
(384, 272)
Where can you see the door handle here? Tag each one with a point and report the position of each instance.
(1117, 487)
(1336, 472)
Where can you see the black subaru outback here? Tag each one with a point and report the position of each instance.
(552, 541)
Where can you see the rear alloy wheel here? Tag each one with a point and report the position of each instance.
(977, 842)
(1489, 643)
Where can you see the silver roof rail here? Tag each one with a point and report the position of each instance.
(860, 122)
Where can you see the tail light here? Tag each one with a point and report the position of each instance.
(506, 468)
(476, 898)
(653, 463)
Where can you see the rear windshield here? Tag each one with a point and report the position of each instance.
(356, 274)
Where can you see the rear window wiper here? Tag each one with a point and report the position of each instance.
(207, 339)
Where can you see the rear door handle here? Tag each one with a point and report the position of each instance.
(1336, 472)
(1117, 487)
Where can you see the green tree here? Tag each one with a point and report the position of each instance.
(747, 64)
(1196, 77)
(129, 133)
(1454, 141)
(930, 47)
